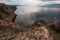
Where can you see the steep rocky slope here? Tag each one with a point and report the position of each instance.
(6, 12)
(11, 31)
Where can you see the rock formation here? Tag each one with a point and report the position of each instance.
(6, 12)
(11, 31)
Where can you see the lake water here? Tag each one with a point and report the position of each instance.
(28, 14)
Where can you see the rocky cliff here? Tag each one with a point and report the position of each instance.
(11, 31)
(7, 12)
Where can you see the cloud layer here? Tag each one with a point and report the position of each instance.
(29, 2)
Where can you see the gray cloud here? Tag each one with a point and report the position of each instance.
(49, 0)
(26, 2)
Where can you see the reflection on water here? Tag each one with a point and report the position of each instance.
(28, 14)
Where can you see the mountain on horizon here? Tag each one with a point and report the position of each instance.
(51, 5)
(46, 5)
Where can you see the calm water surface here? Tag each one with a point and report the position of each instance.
(28, 14)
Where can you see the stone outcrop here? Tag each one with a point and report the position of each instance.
(7, 17)
(11, 31)
(6, 12)
(9, 25)
(34, 32)
(38, 33)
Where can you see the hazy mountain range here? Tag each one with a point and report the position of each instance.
(43, 5)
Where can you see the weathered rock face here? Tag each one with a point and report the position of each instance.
(9, 25)
(7, 15)
(40, 31)
(6, 12)
(32, 33)
(11, 31)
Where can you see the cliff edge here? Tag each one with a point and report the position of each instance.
(11, 31)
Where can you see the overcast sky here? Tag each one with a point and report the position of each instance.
(29, 2)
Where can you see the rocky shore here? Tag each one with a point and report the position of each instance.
(11, 31)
